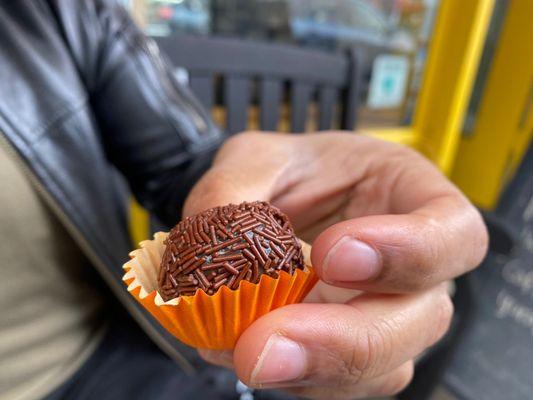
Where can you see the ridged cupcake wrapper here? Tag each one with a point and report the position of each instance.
(216, 321)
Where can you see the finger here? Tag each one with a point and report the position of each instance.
(340, 344)
(388, 384)
(221, 185)
(396, 253)
(324, 293)
(249, 167)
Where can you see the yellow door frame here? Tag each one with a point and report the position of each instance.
(452, 64)
(503, 129)
(482, 162)
(453, 56)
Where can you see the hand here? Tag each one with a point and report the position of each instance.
(383, 220)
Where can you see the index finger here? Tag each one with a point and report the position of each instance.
(432, 234)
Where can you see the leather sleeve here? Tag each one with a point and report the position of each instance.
(152, 128)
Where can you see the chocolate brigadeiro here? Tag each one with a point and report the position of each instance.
(225, 245)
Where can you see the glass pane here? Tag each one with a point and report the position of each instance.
(391, 37)
(485, 64)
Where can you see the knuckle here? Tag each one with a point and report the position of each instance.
(447, 305)
(406, 155)
(428, 257)
(425, 255)
(258, 148)
(430, 250)
(204, 194)
(356, 363)
(444, 315)
(236, 144)
(216, 176)
(481, 238)
(352, 368)
(371, 347)
(212, 181)
(245, 139)
(471, 231)
(230, 142)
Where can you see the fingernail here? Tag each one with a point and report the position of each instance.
(351, 260)
(282, 360)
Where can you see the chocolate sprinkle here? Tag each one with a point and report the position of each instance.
(226, 245)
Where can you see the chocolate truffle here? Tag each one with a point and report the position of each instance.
(224, 245)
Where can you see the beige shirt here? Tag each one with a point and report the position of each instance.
(50, 315)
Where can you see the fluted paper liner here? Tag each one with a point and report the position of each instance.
(211, 321)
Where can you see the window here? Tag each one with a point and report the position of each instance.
(391, 38)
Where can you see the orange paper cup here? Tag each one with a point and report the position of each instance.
(216, 321)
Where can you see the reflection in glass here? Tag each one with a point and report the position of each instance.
(390, 28)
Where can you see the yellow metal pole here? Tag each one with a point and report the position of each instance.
(454, 53)
(139, 222)
(403, 135)
(504, 122)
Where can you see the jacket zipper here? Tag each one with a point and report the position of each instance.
(95, 260)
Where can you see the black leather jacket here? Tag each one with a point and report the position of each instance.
(83, 93)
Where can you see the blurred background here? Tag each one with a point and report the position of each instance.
(451, 78)
(377, 27)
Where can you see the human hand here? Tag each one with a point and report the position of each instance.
(382, 220)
